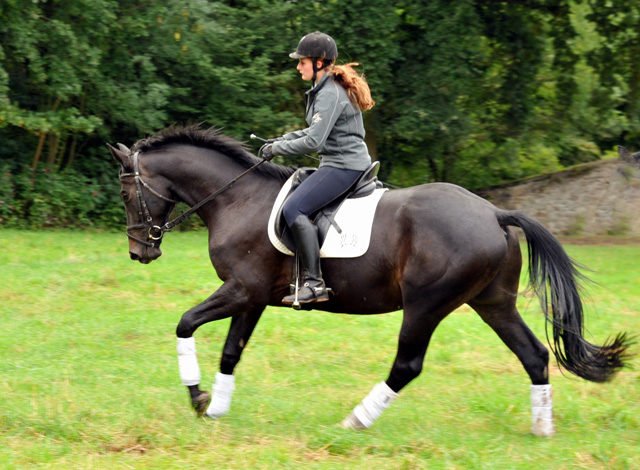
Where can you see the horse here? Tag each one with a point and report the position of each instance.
(433, 248)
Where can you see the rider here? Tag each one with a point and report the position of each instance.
(334, 106)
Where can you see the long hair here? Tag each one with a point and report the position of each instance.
(355, 84)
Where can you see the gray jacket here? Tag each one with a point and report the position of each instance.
(335, 132)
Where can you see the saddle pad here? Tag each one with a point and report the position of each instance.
(355, 219)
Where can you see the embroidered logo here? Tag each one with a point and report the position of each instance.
(348, 239)
(316, 117)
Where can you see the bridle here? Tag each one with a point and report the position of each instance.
(156, 232)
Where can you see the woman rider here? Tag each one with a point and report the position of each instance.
(334, 106)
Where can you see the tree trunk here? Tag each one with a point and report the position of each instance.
(72, 151)
(36, 157)
(54, 143)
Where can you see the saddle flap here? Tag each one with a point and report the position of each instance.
(327, 219)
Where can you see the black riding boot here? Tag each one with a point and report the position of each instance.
(312, 288)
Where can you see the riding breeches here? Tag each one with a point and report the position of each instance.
(319, 189)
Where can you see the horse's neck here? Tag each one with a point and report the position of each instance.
(195, 175)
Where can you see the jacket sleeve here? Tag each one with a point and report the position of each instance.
(295, 134)
(326, 110)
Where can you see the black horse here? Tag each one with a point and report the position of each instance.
(433, 248)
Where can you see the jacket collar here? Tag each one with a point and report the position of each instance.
(313, 91)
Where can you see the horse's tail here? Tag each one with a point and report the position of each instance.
(554, 276)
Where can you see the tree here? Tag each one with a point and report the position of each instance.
(615, 59)
(39, 84)
(473, 92)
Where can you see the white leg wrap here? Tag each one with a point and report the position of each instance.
(188, 361)
(371, 408)
(223, 388)
(542, 410)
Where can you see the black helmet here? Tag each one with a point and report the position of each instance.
(316, 45)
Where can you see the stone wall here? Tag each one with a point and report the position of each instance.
(595, 199)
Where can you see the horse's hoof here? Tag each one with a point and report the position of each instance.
(543, 428)
(353, 423)
(201, 402)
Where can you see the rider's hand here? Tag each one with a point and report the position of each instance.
(267, 152)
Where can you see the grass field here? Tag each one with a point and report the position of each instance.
(89, 377)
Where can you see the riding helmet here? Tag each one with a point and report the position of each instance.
(317, 45)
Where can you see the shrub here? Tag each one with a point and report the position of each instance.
(46, 198)
(8, 211)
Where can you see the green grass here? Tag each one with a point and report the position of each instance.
(89, 377)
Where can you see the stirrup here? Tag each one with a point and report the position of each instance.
(314, 294)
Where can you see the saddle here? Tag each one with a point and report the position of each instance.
(324, 218)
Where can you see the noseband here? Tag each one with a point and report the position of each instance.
(155, 232)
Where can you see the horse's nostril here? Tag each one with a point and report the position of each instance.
(133, 256)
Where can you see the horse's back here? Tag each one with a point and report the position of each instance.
(441, 233)
(441, 211)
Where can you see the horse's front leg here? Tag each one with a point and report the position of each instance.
(222, 304)
(240, 331)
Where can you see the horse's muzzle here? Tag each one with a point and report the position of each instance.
(145, 256)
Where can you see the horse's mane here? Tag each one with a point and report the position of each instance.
(210, 138)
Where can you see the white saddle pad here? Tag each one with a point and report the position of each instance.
(355, 219)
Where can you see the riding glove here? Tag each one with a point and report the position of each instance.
(267, 152)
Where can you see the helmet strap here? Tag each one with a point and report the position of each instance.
(316, 69)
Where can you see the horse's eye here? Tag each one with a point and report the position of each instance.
(125, 195)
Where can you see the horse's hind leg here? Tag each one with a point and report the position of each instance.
(512, 330)
(415, 335)
(500, 313)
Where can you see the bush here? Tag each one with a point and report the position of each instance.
(46, 198)
(8, 211)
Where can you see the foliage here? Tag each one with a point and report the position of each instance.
(8, 211)
(615, 59)
(45, 198)
(472, 92)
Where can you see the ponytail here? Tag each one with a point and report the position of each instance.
(355, 84)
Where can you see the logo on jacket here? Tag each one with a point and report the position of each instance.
(316, 118)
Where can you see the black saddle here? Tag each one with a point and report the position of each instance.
(324, 218)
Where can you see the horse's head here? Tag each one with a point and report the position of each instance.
(146, 204)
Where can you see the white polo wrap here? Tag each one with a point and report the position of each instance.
(188, 361)
(223, 388)
(542, 410)
(371, 408)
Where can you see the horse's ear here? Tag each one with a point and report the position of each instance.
(124, 148)
(120, 156)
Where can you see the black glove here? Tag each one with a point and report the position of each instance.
(267, 152)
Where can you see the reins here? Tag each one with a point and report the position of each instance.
(156, 232)
(185, 215)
